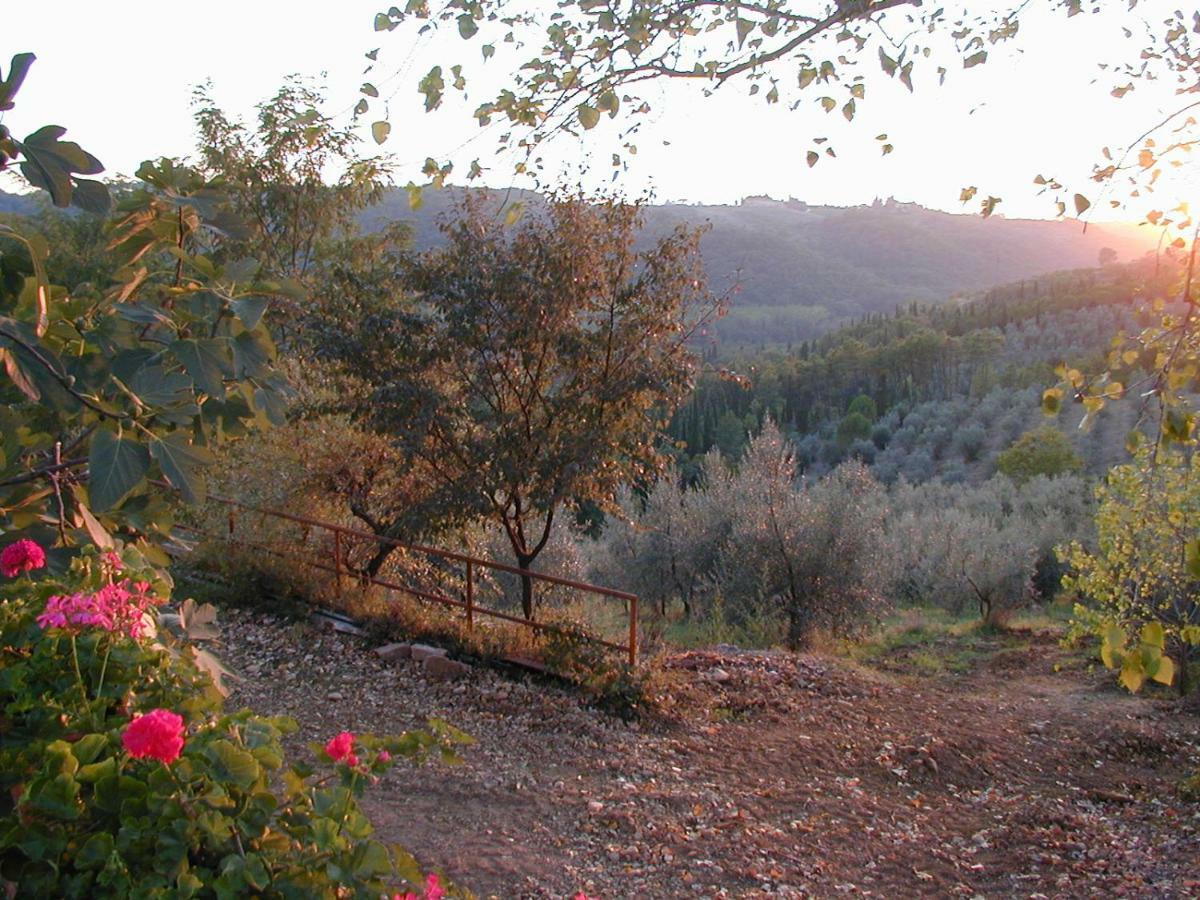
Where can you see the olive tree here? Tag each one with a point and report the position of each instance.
(813, 553)
(663, 545)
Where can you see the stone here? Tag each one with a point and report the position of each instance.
(422, 652)
(441, 668)
(393, 652)
(718, 676)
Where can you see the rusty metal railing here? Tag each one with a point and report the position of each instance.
(471, 564)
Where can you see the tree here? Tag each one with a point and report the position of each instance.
(1142, 571)
(811, 553)
(1042, 451)
(538, 365)
(135, 374)
(854, 427)
(663, 546)
(587, 60)
(296, 179)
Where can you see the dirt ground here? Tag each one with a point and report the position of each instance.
(768, 775)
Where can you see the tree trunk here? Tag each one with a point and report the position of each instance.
(524, 561)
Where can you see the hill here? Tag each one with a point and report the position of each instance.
(949, 385)
(802, 270)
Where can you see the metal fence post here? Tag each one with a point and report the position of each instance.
(337, 561)
(633, 632)
(470, 597)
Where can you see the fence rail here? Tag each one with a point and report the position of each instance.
(471, 566)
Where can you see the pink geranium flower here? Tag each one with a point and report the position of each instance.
(158, 734)
(119, 608)
(433, 891)
(22, 556)
(342, 747)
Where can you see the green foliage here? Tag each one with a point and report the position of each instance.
(1141, 661)
(1042, 451)
(987, 351)
(610, 684)
(135, 372)
(864, 406)
(538, 367)
(296, 179)
(1138, 578)
(589, 59)
(854, 427)
(81, 817)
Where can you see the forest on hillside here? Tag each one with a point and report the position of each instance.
(941, 389)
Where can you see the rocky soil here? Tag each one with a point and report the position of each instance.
(767, 775)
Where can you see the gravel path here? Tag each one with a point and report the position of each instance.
(769, 774)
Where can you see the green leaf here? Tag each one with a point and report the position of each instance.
(1052, 401)
(371, 859)
(380, 131)
(250, 310)
(88, 747)
(92, 773)
(589, 116)
(97, 532)
(207, 362)
(91, 196)
(232, 764)
(155, 386)
(17, 70)
(1112, 646)
(744, 27)
(182, 463)
(95, 851)
(115, 467)
(1132, 676)
(467, 28)
(50, 163)
(1165, 673)
(252, 354)
(1153, 635)
(975, 59)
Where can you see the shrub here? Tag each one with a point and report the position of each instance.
(1141, 572)
(813, 553)
(1043, 451)
(121, 775)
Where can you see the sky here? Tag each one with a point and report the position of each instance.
(119, 75)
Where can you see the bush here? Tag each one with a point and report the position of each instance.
(1144, 569)
(1043, 451)
(121, 775)
(812, 553)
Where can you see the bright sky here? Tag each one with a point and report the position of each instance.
(119, 75)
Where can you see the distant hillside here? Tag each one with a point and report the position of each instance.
(805, 269)
(17, 204)
(947, 386)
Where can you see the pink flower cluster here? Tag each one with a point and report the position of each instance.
(22, 556)
(433, 891)
(341, 749)
(119, 608)
(158, 734)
